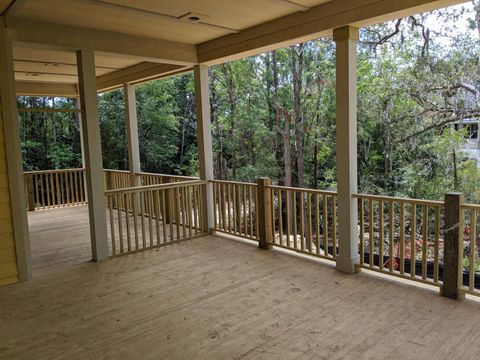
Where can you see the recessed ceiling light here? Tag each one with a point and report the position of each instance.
(52, 64)
(193, 17)
(32, 74)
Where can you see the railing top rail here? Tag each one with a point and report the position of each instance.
(53, 171)
(167, 175)
(399, 199)
(232, 182)
(312, 191)
(155, 187)
(470, 206)
(119, 171)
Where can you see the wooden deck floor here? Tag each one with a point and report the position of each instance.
(216, 298)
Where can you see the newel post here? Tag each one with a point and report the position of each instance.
(30, 191)
(264, 196)
(453, 247)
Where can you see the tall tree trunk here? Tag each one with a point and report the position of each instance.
(297, 73)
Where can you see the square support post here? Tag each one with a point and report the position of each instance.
(93, 154)
(9, 117)
(453, 249)
(346, 116)
(131, 125)
(264, 206)
(204, 139)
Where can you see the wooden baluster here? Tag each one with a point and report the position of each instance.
(229, 206)
(381, 210)
(126, 199)
(112, 224)
(294, 207)
(189, 190)
(57, 191)
(72, 194)
(302, 220)
(118, 199)
(42, 178)
(244, 227)
(402, 238)
(391, 219)
(413, 241)
(215, 206)
(362, 231)
(149, 196)
(177, 212)
(234, 208)
(309, 222)
(371, 241)
(425, 242)
(142, 218)
(250, 211)
(334, 226)
(195, 218)
(37, 197)
(325, 225)
(272, 209)
(436, 261)
(317, 224)
(156, 202)
(473, 248)
(135, 219)
(280, 218)
(287, 215)
(257, 221)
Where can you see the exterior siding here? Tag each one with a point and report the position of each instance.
(8, 260)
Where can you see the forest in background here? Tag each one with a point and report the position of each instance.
(274, 114)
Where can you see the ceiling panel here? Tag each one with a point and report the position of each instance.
(159, 18)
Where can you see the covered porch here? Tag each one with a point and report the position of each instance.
(346, 275)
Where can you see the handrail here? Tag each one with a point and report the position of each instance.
(56, 171)
(470, 206)
(232, 182)
(311, 191)
(155, 187)
(166, 175)
(399, 199)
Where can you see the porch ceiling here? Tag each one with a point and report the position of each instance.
(144, 32)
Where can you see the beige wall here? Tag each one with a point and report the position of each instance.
(8, 262)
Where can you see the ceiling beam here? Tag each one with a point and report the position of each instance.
(137, 73)
(72, 37)
(317, 22)
(27, 88)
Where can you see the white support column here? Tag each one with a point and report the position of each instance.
(79, 119)
(204, 137)
(8, 107)
(93, 154)
(346, 109)
(131, 125)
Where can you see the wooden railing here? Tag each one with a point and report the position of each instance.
(150, 216)
(235, 208)
(401, 237)
(116, 179)
(304, 220)
(55, 188)
(471, 241)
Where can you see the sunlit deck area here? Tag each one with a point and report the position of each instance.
(216, 298)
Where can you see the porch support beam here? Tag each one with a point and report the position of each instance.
(204, 139)
(73, 37)
(9, 115)
(346, 117)
(131, 125)
(93, 154)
